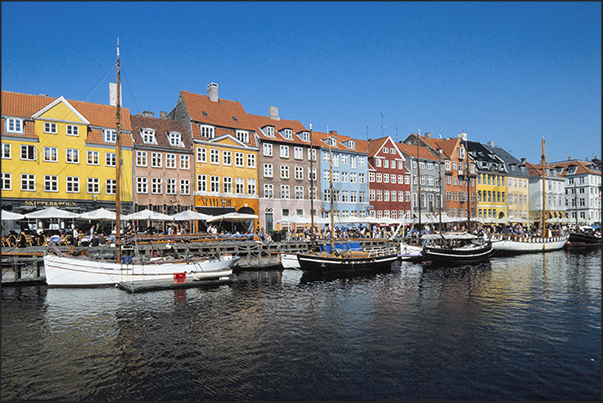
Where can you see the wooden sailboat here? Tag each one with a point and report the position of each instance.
(64, 270)
(335, 260)
(516, 244)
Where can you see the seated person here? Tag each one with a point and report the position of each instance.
(94, 241)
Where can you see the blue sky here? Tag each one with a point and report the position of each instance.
(507, 72)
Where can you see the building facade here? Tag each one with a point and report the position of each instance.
(389, 180)
(553, 201)
(62, 153)
(350, 174)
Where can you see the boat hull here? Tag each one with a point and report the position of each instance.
(76, 272)
(410, 252)
(510, 245)
(316, 263)
(443, 256)
(289, 261)
(583, 240)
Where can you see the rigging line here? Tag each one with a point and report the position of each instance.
(98, 83)
(130, 90)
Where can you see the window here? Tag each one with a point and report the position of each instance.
(284, 171)
(385, 178)
(299, 173)
(304, 136)
(93, 185)
(371, 194)
(201, 154)
(362, 161)
(335, 176)
(242, 136)
(170, 161)
(185, 162)
(51, 155)
(14, 125)
(28, 153)
(299, 192)
(73, 156)
(268, 191)
(393, 178)
(110, 159)
(73, 184)
(170, 186)
(353, 196)
(141, 158)
(50, 128)
(345, 158)
(142, 185)
(268, 150)
(250, 160)
(185, 186)
(207, 131)
(344, 177)
(284, 151)
(239, 160)
(361, 178)
(353, 162)
(326, 175)
(227, 184)
(6, 181)
(400, 177)
(6, 151)
(327, 195)
(400, 165)
(51, 183)
(287, 134)
(371, 177)
(386, 163)
(378, 162)
(269, 131)
(93, 158)
(214, 184)
(109, 136)
(311, 154)
(298, 153)
(156, 185)
(344, 196)
(110, 186)
(214, 156)
(379, 178)
(239, 185)
(335, 195)
(379, 195)
(386, 195)
(336, 160)
(201, 183)
(148, 136)
(394, 194)
(268, 171)
(28, 182)
(312, 174)
(251, 186)
(285, 192)
(226, 157)
(175, 139)
(386, 150)
(156, 160)
(72, 130)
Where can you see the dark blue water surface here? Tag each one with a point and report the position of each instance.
(519, 328)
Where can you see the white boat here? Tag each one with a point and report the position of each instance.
(515, 244)
(80, 271)
(62, 270)
(289, 260)
(411, 251)
(507, 244)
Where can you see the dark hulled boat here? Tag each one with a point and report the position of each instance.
(456, 249)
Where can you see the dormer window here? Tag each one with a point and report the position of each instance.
(572, 170)
(175, 139)
(332, 141)
(287, 134)
(207, 131)
(235, 119)
(148, 136)
(351, 144)
(305, 136)
(14, 125)
(204, 113)
(269, 131)
(109, 136)
(243, 136)
(461, 153)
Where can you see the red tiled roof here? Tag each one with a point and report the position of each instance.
(161, 127)
(279, 125)
(26, 105)
(582, 167)
(220, 113)
(320, 137)
(411, 150)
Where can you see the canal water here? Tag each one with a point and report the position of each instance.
(519, 328)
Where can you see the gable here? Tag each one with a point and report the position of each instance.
(61, 110)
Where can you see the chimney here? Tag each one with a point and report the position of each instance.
(523, 160)
(333, 132)
(463, 136)
(148, 114)
(427, 135)
(569, 158)
(163, 114)
(212, 92)
(491, 143)
(273, 112)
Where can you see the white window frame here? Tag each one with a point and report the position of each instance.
(93, 157)
(141, 159)
(7, 183)
(6, 151)
(14, 125)
(53, 153)
(142, 185)
(109, 136)
(72, 130)
(72, 184)
(51, 183)
(170, 160)
(50, 127)
(185, 161)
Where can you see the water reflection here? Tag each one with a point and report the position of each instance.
(518, 328)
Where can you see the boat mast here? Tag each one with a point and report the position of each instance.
(332, 196)
(418, 180)
(543, 162)
(311, 191)
(467, 177)
(118, 164)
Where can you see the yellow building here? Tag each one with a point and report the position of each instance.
(62, 153)
(491, 195)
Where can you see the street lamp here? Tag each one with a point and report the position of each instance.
(94, 197)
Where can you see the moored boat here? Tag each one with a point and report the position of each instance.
(583, 239)
(347, 261)
(455, 249)
(516, 244)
